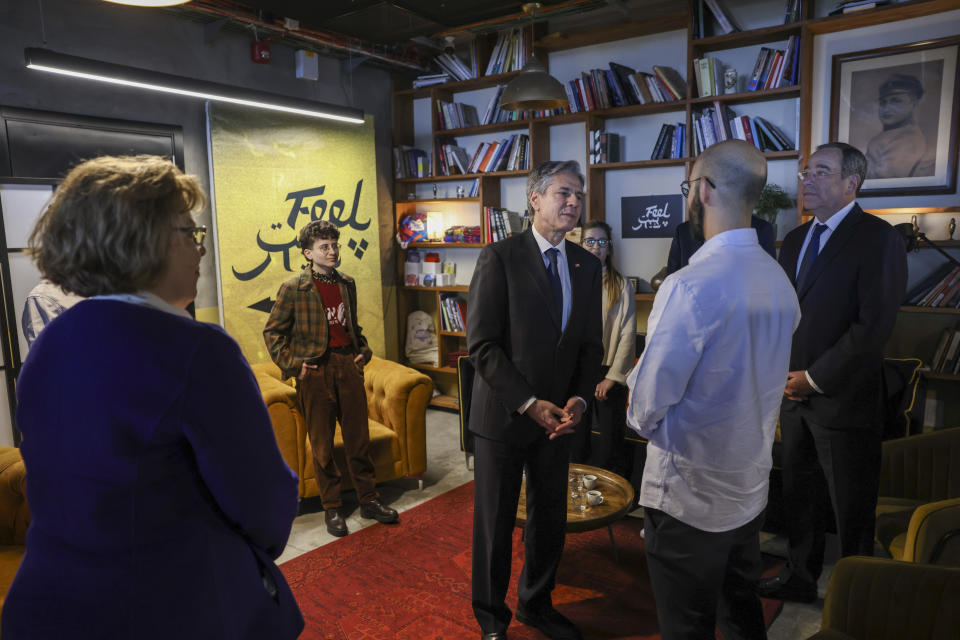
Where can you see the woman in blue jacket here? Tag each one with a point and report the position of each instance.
(158, 494)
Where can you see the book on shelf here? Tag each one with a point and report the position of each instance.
(853, 6)
(456, 115)
(409, 162)
(792, 12)
(726, 21)
(922, 289)
(604, 147)
(499, 223)
(622, 74)
(670, 142)
(430, 80)
(452, 65)
(672, 80)
(709, 75)
(509, 52)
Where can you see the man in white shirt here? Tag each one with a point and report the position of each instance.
(706, 394)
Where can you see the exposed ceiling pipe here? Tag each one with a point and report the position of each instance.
(323, 39)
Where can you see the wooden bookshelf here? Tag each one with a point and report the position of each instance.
(442, 401)
(686, 108)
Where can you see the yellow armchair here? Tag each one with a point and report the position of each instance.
(397, 399)
(881, 599)
(918, 511)
(14, 516)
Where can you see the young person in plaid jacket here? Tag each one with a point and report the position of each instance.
(312, 334)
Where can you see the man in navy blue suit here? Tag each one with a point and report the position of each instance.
(685, 245)
(850, 271)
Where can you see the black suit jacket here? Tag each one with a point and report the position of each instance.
(848, 308)
(514, 337)
(684, 246)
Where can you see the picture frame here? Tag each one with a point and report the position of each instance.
(899, 105)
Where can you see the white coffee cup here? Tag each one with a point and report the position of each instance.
(589, 481)
(594, 498)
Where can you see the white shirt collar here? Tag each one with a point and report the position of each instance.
(544, 244)
(744, 236)
(146, 299)
(834, 221)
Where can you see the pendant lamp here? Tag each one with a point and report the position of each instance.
(534, 89)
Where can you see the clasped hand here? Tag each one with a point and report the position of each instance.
(556, 421)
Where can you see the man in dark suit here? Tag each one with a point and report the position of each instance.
(684, 245)
(850, 271)
(534, 336)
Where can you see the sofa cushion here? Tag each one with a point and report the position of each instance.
(384, 451)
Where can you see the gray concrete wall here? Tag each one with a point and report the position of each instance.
(162, 40)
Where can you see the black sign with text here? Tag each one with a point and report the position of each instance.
(650, 216)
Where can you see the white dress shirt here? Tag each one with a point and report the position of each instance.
(707, 389)
(562, 268)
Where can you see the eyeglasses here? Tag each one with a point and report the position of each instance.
(599, 242)
(819, 174)
(685, 185)
(328, 248)
(199, 233)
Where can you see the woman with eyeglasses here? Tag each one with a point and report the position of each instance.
(158, 495)
(619, 338)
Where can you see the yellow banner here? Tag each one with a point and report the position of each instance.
(272, 174)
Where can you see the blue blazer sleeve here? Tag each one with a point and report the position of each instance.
(229, 429)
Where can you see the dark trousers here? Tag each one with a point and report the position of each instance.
(600, 437)
(498, 472)
(817, 462)
(702, 579)
(334, 391)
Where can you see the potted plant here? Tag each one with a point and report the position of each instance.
(772, 199)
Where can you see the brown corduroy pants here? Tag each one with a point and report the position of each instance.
(334, 391)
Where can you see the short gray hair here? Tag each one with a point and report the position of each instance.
(541, 177)
(852, 160)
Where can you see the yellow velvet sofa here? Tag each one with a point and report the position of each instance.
(882, 599)
(397, 398)
(918, 509)
(14, 516)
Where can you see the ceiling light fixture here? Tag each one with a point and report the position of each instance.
(150, 3)
(75, 66)
(534, 89)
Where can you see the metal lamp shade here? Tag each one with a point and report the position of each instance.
(534, 89)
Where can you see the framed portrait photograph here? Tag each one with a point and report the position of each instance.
(899, 106)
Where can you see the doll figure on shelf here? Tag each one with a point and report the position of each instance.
(413, 227)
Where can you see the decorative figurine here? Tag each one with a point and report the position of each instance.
(459, 191)
(434, 191)
(952, 227)
(730, 81)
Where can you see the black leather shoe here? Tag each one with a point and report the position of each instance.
(493, 635)
(790, 588)
(336, 526)
(550, 622)
(376, 510)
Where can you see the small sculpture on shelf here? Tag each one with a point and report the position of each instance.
(952, 227)
(434, 191)
(459, 191)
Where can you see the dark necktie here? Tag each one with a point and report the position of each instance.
(554, 277)
(813, 250)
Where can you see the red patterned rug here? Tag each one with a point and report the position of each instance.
(412, 580)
